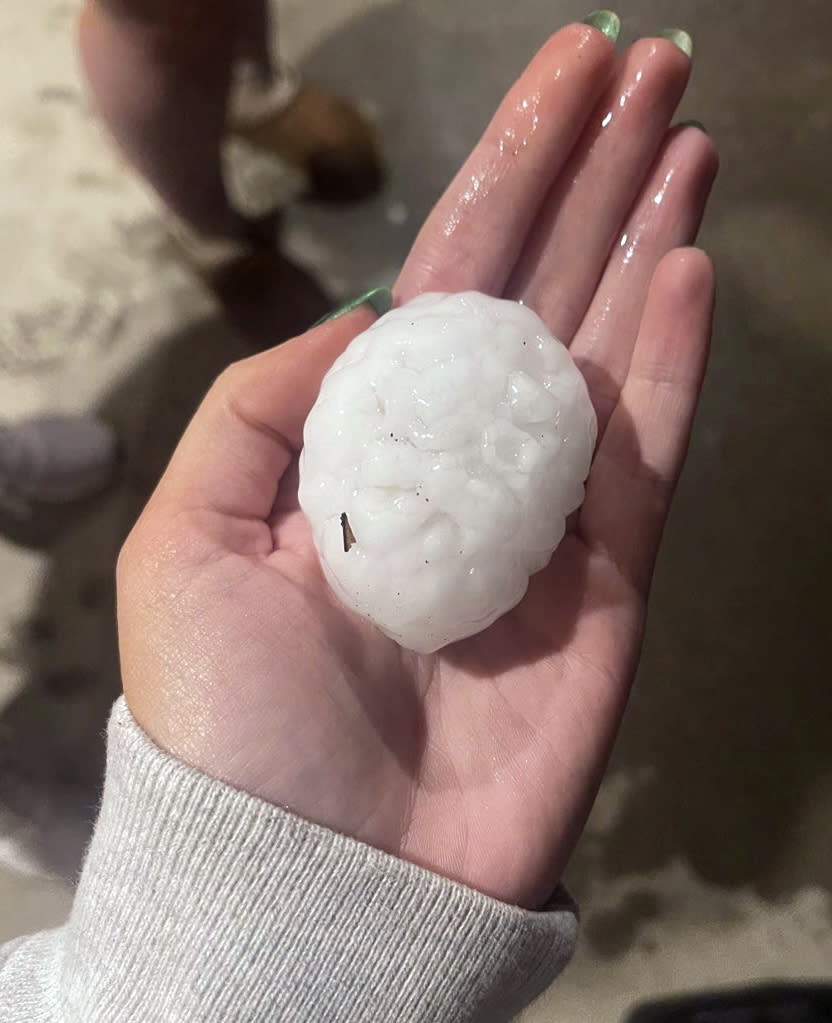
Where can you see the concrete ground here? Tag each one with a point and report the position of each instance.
(707, 860)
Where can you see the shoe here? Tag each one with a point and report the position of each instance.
(209, 254)
(311, 129)
(55, 459)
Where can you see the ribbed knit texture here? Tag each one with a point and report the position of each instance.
(201, 903)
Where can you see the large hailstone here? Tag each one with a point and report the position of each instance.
(447, 446)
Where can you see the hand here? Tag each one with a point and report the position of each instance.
(480, 761)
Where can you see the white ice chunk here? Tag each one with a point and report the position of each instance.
(455, 435)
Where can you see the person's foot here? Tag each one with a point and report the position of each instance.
(316, 131)
(263, 294)
(54, 459)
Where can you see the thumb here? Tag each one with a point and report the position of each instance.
(250, 424)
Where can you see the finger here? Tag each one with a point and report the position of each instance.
(666, 216)
(582, 216)
(244, 434)
(640, 456)
(475, 232)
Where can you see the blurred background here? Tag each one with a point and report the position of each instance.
(708, 858)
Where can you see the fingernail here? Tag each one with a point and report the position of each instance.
(379, 299)
(693, 124)
(607, 22)
(680, 38)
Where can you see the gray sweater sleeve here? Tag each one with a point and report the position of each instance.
(201, 903)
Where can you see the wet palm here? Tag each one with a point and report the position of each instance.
(479, 761)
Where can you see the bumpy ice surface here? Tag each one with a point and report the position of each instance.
(447, 446)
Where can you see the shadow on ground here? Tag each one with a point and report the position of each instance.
(728, 723)
(52, 733)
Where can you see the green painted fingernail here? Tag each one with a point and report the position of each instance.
(693, 124)
(379, 299)
(680, 38)
(607, 22)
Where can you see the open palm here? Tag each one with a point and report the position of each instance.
(479, 761)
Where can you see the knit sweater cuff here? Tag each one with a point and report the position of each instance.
(200, 902)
